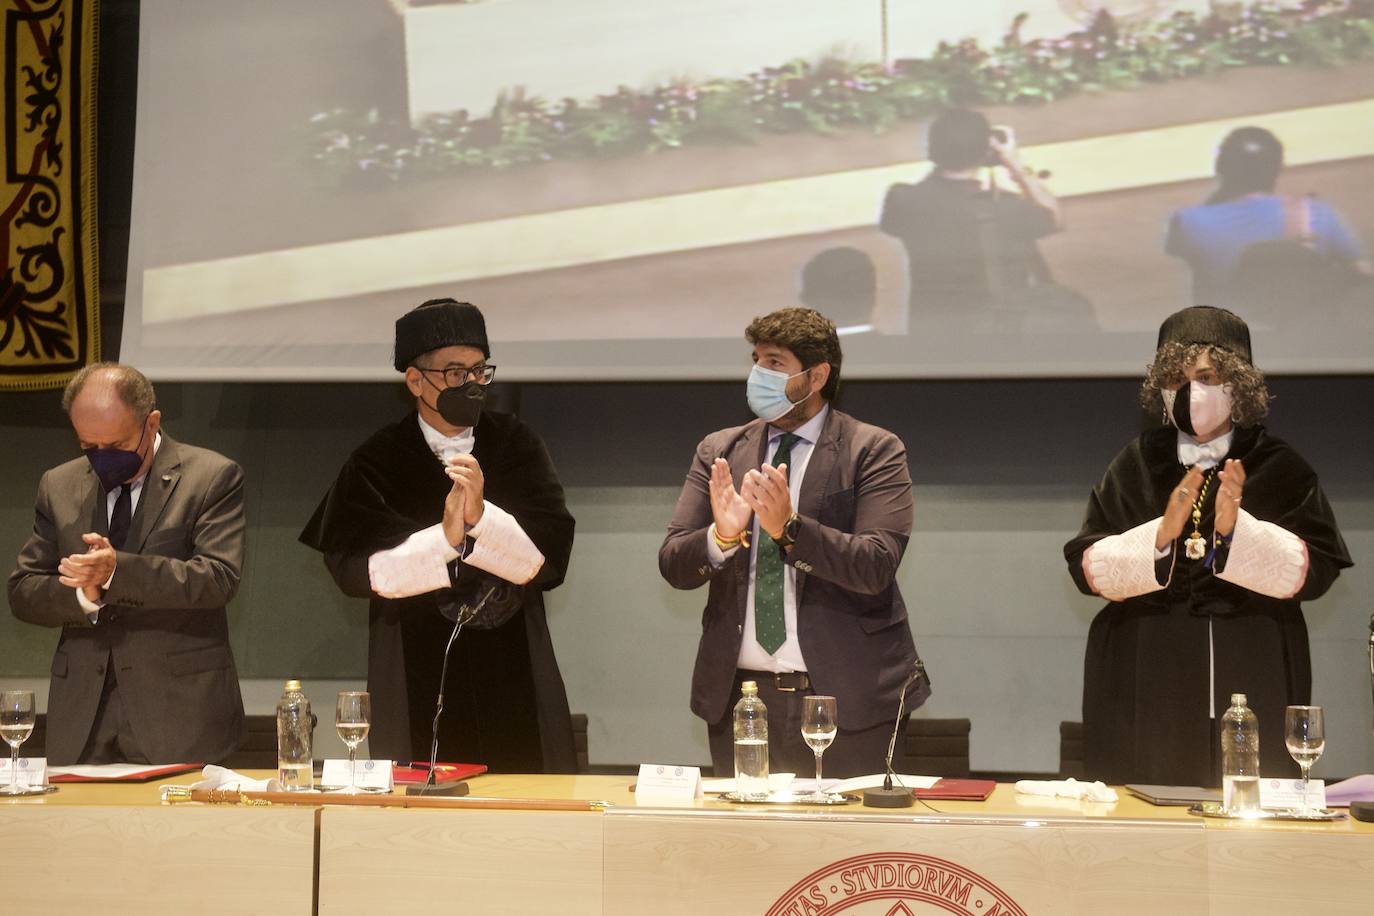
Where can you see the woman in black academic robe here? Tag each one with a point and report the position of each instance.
(1192, 623)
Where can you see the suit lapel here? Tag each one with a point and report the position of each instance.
(163, 476)
(94, 506)
(810, 499)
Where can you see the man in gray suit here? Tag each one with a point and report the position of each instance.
(135, 551)
(798, 521)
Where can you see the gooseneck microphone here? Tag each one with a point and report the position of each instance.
(900, 796)
(462, 616)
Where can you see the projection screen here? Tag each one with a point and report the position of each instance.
(622, 185)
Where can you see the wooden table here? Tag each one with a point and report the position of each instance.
(90, 847)
(114, 848)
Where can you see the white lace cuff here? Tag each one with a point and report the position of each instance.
(417, 565)
(1123, 565)
(1265, 558)
(502, 547)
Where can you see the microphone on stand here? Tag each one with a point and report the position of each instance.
(461, 616)
(1363, 810)
(889, 796)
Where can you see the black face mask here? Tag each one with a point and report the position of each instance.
(461, 406)
(1182, 414)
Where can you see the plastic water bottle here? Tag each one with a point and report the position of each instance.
(294, 728)
(751, 743)
(1240, 761)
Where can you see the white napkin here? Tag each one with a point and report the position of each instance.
(218, 777)
(1067, 788)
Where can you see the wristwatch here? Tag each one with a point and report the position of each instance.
(790, 529)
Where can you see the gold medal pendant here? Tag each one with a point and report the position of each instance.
(1195, 548)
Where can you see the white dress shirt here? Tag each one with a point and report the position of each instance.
(752, 655)
(419, 564)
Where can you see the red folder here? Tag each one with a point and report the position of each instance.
(156, 772)
(958, 790)
(418, 772)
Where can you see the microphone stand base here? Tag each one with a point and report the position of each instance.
(888, 798)
(451, 789)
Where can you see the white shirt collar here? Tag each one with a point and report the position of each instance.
(1204, 454)
(810, 431)
(443, 446)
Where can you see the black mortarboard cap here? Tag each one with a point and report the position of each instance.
(439, 323)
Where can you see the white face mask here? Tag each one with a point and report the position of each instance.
(1198, 409)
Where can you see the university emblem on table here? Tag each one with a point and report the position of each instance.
(894, 884)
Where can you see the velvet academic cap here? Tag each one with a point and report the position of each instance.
(439, 323)
(1204, 324)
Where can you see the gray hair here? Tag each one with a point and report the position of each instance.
(131, 386)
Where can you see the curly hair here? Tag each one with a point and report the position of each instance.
(809, 335)
(1249, 394)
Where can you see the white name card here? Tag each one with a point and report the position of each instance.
(371, 774)
(31, 771)
(661, 782)
(1287, 793)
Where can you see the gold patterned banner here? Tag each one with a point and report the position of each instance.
(49, 302)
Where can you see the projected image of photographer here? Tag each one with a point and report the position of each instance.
(970, 244)
(622, 184)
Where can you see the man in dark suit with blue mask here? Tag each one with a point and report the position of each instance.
(798, 521)
(136, 550)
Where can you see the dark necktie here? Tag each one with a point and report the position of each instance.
(121, 516)
(770, 626)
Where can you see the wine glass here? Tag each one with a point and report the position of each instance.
(352, 719)
(818, 730)
(16, 724)
(1304, 732)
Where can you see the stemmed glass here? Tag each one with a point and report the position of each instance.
(352, 719)
(1304, 731)
(818, 730)
(16, 724)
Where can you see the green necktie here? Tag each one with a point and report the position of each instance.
(770, 627)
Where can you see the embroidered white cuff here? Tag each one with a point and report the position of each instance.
(1265, 558)
(714, 554)
(502, 547)
(1123, 565)
(417, 565)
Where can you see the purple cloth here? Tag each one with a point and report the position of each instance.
(1356, 788)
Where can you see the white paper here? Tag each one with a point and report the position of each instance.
(777, 782)
(875, 781)
(32, 771)
(667, 782)
(1283, 794)
(371, 774)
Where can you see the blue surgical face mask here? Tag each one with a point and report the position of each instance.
(767, 393)
(116, 465)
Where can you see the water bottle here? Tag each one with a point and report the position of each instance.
(751, 743)
(294, 729)
(1240, 761)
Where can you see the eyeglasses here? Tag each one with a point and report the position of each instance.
(455, 376)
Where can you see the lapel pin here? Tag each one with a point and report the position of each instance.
(166, 478)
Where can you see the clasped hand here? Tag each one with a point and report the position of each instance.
(464, 505)
(89, 571)
(1231, 482)
(763, 491)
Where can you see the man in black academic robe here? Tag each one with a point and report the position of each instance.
(505, 703)
(1160, 666)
